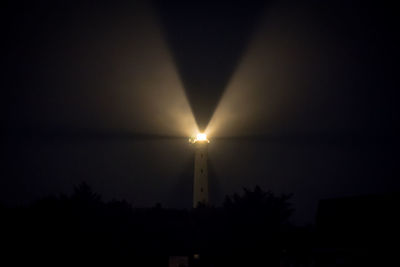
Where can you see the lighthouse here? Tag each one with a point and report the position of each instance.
(200, 181)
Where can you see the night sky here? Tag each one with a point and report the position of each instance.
(296, 96)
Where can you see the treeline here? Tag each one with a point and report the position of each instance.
(250, 227)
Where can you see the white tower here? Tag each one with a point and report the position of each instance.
(200, 183)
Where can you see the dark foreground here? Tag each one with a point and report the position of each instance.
(250, 229)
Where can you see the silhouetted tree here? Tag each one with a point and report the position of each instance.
(83, 193)
(82, 225)
(254, 226)
(259, 204)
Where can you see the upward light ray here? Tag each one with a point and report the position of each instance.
(270, 90)
(198, 40)
(241, 105)
(158, 90)
(120, 78)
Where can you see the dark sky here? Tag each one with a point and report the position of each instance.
(297, 96)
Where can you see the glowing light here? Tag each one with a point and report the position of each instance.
(200, 137)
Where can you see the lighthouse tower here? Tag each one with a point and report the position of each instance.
(200, 183)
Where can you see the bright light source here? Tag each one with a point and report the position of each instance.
(200, 137)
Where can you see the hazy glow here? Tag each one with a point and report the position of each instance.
(157, 102)
(200, 137)
(272, 86)
(121, 78)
